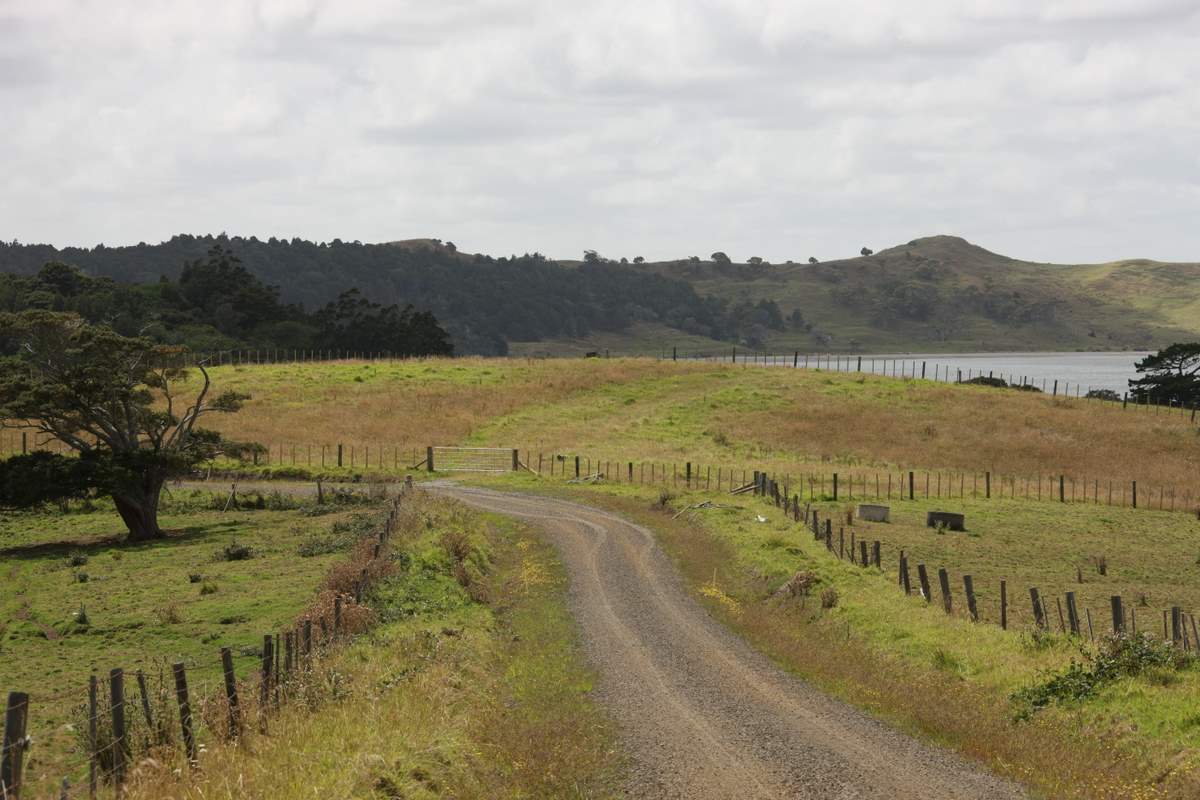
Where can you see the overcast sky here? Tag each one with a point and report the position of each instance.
(1057, 130)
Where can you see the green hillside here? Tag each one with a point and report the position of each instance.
(943, 293)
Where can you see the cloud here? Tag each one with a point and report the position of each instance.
(1057, 130)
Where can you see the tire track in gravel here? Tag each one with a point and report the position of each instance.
(701, 714)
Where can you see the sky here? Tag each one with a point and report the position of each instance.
(1051, 130)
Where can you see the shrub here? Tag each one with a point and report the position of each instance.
(235, 552)
(984, 380)
(665, 496)
(77, 558)
(208, 588)
(195, 577)
(81, 617)
(799, 585)
(1118, 656)
(81, 576)
(829, 597)
(168, 614)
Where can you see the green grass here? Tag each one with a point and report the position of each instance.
(144, 609)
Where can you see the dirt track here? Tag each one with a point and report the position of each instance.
(701, 714)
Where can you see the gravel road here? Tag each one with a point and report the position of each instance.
(700, 713)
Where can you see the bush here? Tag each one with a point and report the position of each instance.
(665, 496)
(829, 597)
(235, 552)
(984, 380)
(81, 576)
(168, 614)
(1119, 656)
(195, 577)
(1103, 394)
(77, 558)
(208, 588)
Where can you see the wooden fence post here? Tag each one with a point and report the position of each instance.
(875, 555)
(923, 577)
(12, 760)
(835, 487)
(1118, 614)
(116, 685)
(944, 582)
(987, 485)
(185, 711)
(1039, 615)
(264, 693)
(1072, 613)
(93, 692)
(428, 459)
(235, 722)
(152, 735)
(1003, 605)
(969, 588)
(862, 549)
(911, 479)
(904, 579)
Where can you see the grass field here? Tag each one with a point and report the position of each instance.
(151, 604)
(910, 664)
(789, 422)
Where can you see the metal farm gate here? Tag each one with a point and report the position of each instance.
(471, 459)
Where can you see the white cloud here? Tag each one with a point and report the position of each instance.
(1061, 130)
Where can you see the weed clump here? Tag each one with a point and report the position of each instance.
(829, 597)
(1119, 656)
(77, 558)
(235, 552)
(665, 496)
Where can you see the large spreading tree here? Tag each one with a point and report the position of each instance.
(111, 398)
(1170, 376)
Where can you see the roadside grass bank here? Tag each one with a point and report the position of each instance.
(74, 598)
(471, 686)
(942, 678)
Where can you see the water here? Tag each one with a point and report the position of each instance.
(1076, 373)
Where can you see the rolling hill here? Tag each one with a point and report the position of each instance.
(939, 293)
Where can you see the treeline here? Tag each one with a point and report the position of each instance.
(483, 302)
(216, 304)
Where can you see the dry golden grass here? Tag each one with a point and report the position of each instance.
(790, 422)
(408, 403)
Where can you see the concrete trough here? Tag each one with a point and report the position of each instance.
(873, 513)
(947, 519)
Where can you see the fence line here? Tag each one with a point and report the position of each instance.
(873, 484)
(1179, 626)
(905, 368)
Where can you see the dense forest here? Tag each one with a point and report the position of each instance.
(483, 302)
(216, 304)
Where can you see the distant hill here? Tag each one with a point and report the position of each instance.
(944, 293)
(934, 293)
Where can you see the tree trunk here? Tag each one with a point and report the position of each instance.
(138, 508)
